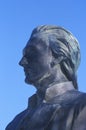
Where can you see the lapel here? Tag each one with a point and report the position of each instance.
(40, 117)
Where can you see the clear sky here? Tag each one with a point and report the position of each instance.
(17, 19)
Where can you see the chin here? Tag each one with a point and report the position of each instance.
(32, 81)
(29, 81)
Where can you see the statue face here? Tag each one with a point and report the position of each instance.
(36, 60)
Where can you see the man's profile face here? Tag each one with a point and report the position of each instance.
(36, 60)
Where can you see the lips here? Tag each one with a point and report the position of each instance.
(27, 71)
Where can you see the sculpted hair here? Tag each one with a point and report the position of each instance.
(64, 46)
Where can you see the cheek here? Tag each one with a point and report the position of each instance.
(44, 67)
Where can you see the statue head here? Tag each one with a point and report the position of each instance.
(49, 49)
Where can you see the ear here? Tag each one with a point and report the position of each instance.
(56, 61)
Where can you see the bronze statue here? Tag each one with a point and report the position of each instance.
(50, 60)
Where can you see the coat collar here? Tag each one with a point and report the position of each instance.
(51, 92)
(58, 90)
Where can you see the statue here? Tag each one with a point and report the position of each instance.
(50, 60)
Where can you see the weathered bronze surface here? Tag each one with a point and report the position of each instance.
(50, 60)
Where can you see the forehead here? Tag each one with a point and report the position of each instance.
(35, 44)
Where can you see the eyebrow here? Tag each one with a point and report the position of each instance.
(30, 47)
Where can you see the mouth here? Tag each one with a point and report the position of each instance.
(29, 76)
(28, 72)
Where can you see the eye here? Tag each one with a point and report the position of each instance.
(31, 54)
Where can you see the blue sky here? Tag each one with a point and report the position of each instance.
(17, 19)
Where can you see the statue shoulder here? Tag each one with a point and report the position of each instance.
(81, 100)
(16, 120)
(80, 113)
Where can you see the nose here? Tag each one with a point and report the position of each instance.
(23, 62)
